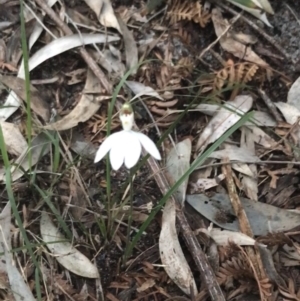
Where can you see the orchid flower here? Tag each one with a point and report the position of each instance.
(126, 146)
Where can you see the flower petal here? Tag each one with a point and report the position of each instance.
(106, 146)
(117, 156)
(149, 145)
(133, 149)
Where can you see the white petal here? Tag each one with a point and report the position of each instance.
(106, 146)
(117, 153)
(149, 146)
(117, 156)
(133, 149)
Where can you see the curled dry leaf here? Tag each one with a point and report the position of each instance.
(104, 13)
(37, 103)
(20, 290)
(171, 253)
(64, 252)
(224, 237)
(224, 119)
(13, 138)
(40, 146)
(85, 109)
(231, 45)
(52, 49)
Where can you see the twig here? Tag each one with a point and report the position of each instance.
(270, 39)
(199, 257)
(88, 59)
(270, 104)
(256, 261)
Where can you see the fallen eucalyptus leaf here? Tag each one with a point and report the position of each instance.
(140, 89)
(289, 111)
(171, 254)
(293, 97)
(104, 13)
(224, 237)
(13, 138)
(20, 290)
(263, 218)
(259, 118)
(37, 103)
(64, 252)
(131, 50)
(40, 146)
(229, 44)
(178, 162)
(225, 118)
(52, 49)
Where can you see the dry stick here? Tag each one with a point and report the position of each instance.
(198, 255)
(88, 59)
(270, 39)
(244, 226)
(270, 104)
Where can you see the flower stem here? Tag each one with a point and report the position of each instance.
(127, 249)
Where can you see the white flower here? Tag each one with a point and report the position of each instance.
(126, 146)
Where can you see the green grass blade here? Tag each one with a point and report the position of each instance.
(27, 81)
(12, 200)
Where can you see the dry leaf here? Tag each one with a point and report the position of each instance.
(293, 97)
(290, 113)
(64, 252)
(250, 185)
(140, 89)
(85, 109)
(13, 138)
(131, 50)
(203, 184)
(263, 218)
(231, 45)
(171, 253)
(224, 119)
(224, 237)
(37, 103)
(40, 146)
(20, 289)
(178, 162)
(259, 118)
(52, 49)
(104, 13)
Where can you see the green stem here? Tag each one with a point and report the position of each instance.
(127, 250)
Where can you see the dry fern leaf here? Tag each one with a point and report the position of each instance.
(180, 10)
(202, 17)
(183, 34)
(234, 75)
